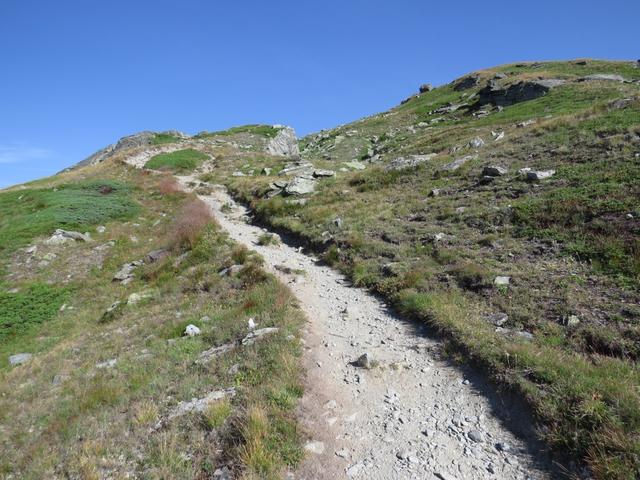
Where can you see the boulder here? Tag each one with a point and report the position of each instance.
(409, 161)
(606, 77)
(19, 358)
(297, 168)
(476, 142)
(191, 330)
(363, 361)
(284, 144)
(498, 95)
(301, 185)
(536, 175)
(63, 236)
(465, 83)
(494, 171)
(426, 87)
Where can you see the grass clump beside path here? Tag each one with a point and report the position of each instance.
(28, 213)
(181, 161)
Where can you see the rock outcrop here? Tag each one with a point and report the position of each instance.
(503, 96)
(284, 144)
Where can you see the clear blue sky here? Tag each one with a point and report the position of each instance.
(78, 74)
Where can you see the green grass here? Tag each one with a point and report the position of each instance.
(163, 138)
(181, 161)
(580, 379)
(268, 131)
(26, 214)
(21, 312)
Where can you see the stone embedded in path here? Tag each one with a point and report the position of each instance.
(363, 361)
(315, 447)
(476, 436)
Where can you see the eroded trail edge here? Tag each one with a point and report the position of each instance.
(412, 414)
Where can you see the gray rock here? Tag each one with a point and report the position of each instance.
(476, 142)
(337, 222)
(494, 171)
(284, 143)
(297, 168)
(497, 95)
(355, 165)
(467, 82)
(456, 164)
(302, 185)
(157, 255)
(504, 447)
(63, 236)
(266, 171)
(20, 358)
(498, 319)
(476, 436)
(315, 447)
(409, 161)
(214, 352)
(238, 174)
(425, 87)
(198, 405)
(323, 173)
(112, 312)
(363, 361)
(222, 474)
(251, 338)
(608, 77)
(107, 364)
(501, 280)
(125, 274)
(572, 321)
(232, 270)
(525, 335)
(536, 175)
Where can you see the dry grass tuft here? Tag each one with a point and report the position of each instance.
(191, 219)
(168, 186)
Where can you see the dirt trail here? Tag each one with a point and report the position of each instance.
(413, 415)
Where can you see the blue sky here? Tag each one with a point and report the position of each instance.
(79, 74)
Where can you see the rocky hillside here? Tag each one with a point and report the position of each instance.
(501, 209)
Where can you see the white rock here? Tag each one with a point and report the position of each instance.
(315, 447)
(191, 330)
(501, 281)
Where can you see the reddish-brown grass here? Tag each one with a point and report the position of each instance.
(191, 219)
(169, 185)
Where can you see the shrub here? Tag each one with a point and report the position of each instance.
(192, 219)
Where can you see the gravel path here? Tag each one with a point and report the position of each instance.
(411, 415)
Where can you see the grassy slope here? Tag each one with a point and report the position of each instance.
(570, 244)
(180, 161)
(92, 423)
